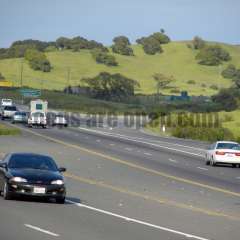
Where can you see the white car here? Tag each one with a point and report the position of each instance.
(60, 120)
(37, 119)
(8, 112)
(223, 152)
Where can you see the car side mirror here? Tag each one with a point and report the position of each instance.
(3, 165)
(62, 169)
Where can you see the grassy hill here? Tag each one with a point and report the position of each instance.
(177, 60)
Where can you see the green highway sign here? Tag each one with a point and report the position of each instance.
(30, 92)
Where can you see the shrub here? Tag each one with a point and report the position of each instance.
(37, 60)
(151, 46)
(214, 87)
(78, 43)
(229, 72)
(228, 118)
(175, 91)
(122, 46)
(198, 43)
(203, 85)
(161, 37)
(201, 133)
(212, 55)
(226, 100)
(191, 82)
(104, 58)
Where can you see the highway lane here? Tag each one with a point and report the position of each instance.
(117, 189)
(179, 163)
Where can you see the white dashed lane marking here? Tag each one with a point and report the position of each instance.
(172, 160)
(148, 154)
(41, 230)
(201, 168)
(128, 149)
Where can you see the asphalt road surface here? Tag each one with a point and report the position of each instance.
(125, 184)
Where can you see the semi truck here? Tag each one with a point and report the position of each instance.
(38, 113)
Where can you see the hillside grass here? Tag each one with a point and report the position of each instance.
(177, 60)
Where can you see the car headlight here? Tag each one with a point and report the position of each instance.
(18, 179)
(58, 182)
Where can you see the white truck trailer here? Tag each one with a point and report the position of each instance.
(38, 113)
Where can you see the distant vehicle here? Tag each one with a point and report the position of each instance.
(6, 102)
(60, 120)
(223, 152)
(38, 113)
(8, 112)
(31, 175)
(20, 117)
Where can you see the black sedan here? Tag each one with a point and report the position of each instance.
(31, 175)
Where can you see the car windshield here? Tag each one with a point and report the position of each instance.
(232, 146)
(10, 108)
(28, 161)
(20, 114)
(38, 114)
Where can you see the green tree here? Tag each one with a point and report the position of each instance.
(122, 46)
(161, 37)
(226, 99)
(104, 58)
(198, 43)
(212, 55)
(151, 46)
(236, 78)
(122, 40)
(63, 42)
(111, 86)
(162, 81)
(37, 60)
(229, 72)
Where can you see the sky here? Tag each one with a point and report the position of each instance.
(102, 20)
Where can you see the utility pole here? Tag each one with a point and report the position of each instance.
(21, 74)
(68, 78)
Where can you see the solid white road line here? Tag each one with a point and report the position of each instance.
(137, 221)
(129, 149)
(205, 169)
(148, 154)
(41, 230)
(172, 160)
(144, 142)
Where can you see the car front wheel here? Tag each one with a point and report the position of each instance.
(6, 194)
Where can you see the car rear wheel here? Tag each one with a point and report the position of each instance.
(207, 161)
(60, 200)
(6, 194)
(234, 165)
(212, 163)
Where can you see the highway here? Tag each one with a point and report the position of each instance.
(125, 184)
